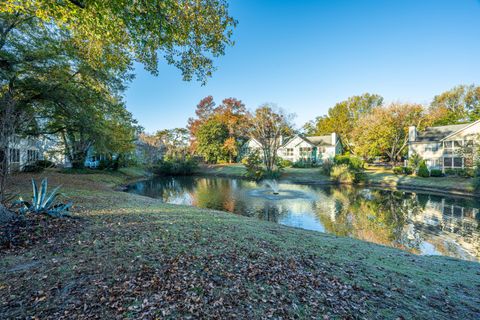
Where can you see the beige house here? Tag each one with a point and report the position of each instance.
(304, 148)
(440, 146)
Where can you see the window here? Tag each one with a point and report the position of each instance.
(457, 162)
(32, 155)
(305, 151)
(447, 162)
(288, 152)
(14, 155)
(431, 147)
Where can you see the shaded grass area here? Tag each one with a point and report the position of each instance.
(133, 257)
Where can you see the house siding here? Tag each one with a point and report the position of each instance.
(436, 155)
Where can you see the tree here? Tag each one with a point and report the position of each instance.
(384, 131)
(186, 33)
(39, 37)
(150, 149)
(344, 116)
(176, 142)
(231, 113)
(211, 137)
(458, 105)
(267, 126)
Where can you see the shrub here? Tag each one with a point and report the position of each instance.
(45, 163)
(398, 170)
(465, 173)
(253, 162)
(342, 173)
(402, 170)
(436, 173)
(423, 170)
(351, 161)
(44, 203)
(175, 167)
(327, 166)
(303, 164)
(32, 168)
(285, 163)
(415, 161)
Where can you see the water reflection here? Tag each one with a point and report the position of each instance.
(419, 223)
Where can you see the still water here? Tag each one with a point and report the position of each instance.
(421, 223)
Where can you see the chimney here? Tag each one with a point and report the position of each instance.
(281, 140)
(412, 133)
(334, 139)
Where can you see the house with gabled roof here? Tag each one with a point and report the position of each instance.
(304, 148)
(311, 148)
(441, 146)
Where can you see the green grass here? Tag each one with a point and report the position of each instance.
(133, 257)
(444, 184)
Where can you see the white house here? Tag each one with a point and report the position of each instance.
(440, 146)
(311, 148)
(304, 148)
(21, 152)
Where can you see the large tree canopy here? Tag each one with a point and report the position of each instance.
(188, 34)
(459, 105)
(343, 118)
(384, 131)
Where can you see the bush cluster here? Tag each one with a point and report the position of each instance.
(465, 173)
(303, 164)
(347, 169)
(436, 173)
(352, 162)
(342, 173)
(327, 166)
(175, 167)
(254, 164)
(423, 170)
(38, 166)
(403, 170)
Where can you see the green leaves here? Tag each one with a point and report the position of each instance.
(187, 34)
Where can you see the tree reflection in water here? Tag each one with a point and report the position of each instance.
(419, 223)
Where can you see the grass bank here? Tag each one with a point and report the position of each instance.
(375, 177)
(133, 257)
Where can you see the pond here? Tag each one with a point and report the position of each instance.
(421, 223)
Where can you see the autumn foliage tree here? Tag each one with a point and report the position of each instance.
(267, 126)
(343, 118)
(384, 130)
(231, 114)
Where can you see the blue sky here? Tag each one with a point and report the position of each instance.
(307, 55)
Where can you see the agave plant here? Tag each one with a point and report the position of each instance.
(42, 202)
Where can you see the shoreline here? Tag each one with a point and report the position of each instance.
(400, 186)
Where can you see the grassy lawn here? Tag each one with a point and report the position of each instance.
(133, 257)
(445, 184)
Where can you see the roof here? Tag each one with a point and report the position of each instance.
(320, 140)
(431, 134)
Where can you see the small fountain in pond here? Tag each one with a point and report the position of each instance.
(273, 185)
(272, 190)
